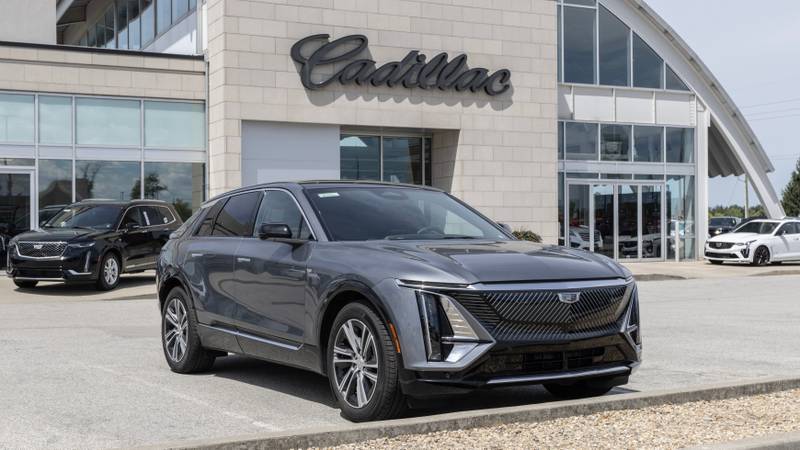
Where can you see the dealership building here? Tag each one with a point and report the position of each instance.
(589, 122)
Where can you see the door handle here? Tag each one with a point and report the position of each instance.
(243, 260)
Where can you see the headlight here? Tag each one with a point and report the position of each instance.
(81, 245)
(447, 334)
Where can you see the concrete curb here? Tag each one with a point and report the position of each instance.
(782, 441)
(337, 435)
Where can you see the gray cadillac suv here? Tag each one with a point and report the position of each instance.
(391, 291)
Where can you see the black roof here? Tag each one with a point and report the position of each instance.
(321, 183)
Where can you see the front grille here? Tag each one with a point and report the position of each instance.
(723, 255)
(39, 273)
(540, 316)
(41, 249)
(721, 245)
(537, 362)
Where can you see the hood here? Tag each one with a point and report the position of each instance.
(500, 261)
(57, 234)
(735, 238)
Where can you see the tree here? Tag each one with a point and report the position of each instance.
(791, 194)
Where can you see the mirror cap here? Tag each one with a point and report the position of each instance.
(275, 231)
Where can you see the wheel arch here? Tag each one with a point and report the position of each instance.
(344, 293)
(168, 285)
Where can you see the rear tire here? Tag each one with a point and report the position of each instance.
(179, 340)
(26, 284)
(108, 273)
(581, 389)
(761, 256)
(366, 366)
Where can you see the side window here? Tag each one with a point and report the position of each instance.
(189, 224)
(787, 228)
(237, 216)
(278, 207)
(166, 214)
(133, 216)
(207, 226)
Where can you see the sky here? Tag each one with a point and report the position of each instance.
(753, 48)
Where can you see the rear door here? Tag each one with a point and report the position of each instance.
(782, 247)
(162, 223)
(271, 275)
(794, 241)
(135, 238)
(209, 256)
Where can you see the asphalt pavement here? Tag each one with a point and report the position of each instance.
(85, 370)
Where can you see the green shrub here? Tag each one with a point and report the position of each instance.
(527, 235)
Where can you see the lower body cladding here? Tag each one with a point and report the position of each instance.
(483, 336)
(738, 254)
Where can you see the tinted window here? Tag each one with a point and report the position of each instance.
(278, 207)
(757, 227)
(616, 143)
(579, 37)
(647, 65)
(614, 50)
(788, 228)
(580, 140)
(237, 216)
(157, 215)
(370, 213)
(208, 220)
(189, 223)
(133, 216)
(101, 217)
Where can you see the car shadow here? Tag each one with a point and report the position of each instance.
(315, 388)
(126, 282)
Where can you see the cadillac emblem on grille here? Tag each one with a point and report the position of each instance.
(37, 246)
(569, 297)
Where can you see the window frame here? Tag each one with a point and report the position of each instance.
(296, 203)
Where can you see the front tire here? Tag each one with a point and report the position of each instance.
(179, 339)
(108, 276)
(363, 366)
(761, 256)
(712, 261)
(26, 284)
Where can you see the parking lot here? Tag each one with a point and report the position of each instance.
(85, 369)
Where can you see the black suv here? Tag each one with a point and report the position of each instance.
(391, 291)
(92, 241)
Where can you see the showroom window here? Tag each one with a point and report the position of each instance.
(180, 184)
(647, 144)
(16, 118)
(109, 122)
(680, 145)
(114, 180)
(680, 214)
(137, 24)
(55, 182)
(174, 125)
(395, 159)
(615, 142)
(55, 120)
(592, 39)
(580, 141)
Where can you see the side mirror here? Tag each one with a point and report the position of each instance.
(130, 226)
(274, 231)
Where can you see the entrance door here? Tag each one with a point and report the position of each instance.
(16, 206)
(622, 221)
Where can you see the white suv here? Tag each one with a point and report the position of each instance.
(757, 242)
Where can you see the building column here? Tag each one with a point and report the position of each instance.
(701, 179)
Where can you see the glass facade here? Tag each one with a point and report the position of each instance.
(99, 147)
(596, 47)
(395, 159)
(134, 24)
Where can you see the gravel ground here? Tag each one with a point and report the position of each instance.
(660, 427)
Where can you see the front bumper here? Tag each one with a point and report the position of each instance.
(79, 265)
(737, 254)
(610, 358)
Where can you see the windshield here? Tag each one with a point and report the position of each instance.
(757, 227)
(722, 222)
(98, 217)
(360, 213)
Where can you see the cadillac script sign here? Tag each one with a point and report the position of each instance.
(415, 70)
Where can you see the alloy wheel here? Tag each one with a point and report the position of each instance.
(762, 256)
(176, 330)
(355, 363)
(110, 271)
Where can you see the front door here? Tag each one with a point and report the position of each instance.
(271, 275)
(16, 203)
